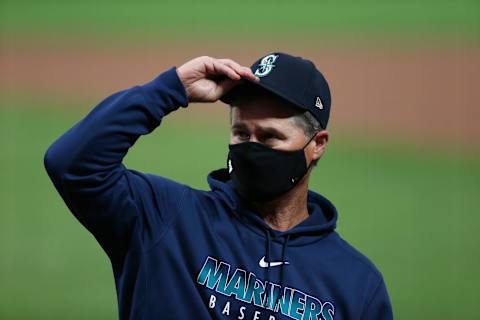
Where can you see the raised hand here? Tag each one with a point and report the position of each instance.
(206, 79)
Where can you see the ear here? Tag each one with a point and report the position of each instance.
(319, 144)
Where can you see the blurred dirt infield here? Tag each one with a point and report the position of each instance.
(422, 94)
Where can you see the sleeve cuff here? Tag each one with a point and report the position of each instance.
(167, 91)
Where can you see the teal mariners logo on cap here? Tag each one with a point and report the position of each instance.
(266, 65)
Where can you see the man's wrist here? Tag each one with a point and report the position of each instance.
(168, 88)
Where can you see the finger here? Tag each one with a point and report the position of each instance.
(216, 67)
(242, 70)
(225, 86)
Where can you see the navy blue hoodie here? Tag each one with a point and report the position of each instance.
(182, 253)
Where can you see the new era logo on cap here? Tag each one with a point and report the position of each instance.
(294, 79)
(318, 103)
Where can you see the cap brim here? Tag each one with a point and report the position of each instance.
(248, 86)
(245, 88)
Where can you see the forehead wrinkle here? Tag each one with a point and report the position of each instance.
(264, 124)
(265, 113)
(263, 121)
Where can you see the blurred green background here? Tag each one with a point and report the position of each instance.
(240, 18)
(407, 191)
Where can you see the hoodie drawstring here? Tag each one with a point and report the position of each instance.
(282, 273)
(284, 250)
(267, 256)
(284, 262)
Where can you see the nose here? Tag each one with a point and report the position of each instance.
(253, 139)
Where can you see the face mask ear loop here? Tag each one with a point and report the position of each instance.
(310, 140)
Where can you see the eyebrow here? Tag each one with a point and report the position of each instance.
(271, 130)
(239, 126)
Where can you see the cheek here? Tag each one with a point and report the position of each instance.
(232, 139)
(298, 139)
(293, 142)
(295, 133)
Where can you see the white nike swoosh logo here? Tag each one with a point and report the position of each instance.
(262, 263)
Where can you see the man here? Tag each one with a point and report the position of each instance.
(259, 244)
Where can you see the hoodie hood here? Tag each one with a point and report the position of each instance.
(321, 221)
(322, 213)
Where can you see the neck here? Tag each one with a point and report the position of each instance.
(287, 210)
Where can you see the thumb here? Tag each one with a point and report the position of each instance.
(224, 86)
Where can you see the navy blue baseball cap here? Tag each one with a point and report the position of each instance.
(294, 79)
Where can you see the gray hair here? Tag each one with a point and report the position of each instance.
(310, 126)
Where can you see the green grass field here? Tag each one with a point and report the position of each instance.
(257, 20)
(412, 210)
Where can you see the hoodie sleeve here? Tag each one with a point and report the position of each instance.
(379, 307)
(85, 164)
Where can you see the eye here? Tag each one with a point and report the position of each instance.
(268, 136)
(242, 135)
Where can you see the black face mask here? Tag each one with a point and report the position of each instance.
(260, 173)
